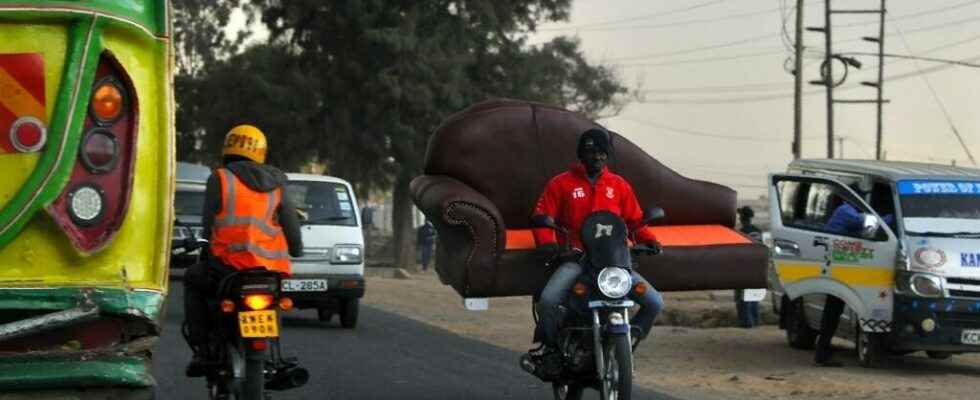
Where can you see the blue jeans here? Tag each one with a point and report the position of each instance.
(748, 311)
(555, 293)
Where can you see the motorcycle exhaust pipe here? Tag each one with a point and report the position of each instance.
(288, 378)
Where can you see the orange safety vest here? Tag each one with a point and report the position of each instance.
(246, 233)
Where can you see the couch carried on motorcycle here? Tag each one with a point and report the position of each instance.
(486, 166)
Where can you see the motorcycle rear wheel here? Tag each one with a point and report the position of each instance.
(618, 373)
(566, 391)
(253, 388)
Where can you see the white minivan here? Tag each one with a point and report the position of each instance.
(330, 275)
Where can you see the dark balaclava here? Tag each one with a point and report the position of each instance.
(593, 150)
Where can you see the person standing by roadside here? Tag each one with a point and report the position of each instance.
(425, 238)
(748, 311)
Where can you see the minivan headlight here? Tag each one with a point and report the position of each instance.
(926, 285)
(347, 254)
(614, 282)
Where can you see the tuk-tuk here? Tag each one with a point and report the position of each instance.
(87, 161)
(909, 274)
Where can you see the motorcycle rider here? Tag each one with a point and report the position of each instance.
(569, 198)
(250, 224)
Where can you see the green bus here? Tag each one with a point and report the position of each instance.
(87, 165)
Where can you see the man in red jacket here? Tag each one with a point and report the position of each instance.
(569, 198)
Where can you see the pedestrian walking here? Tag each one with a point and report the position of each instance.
(424, 240)
(748, 311)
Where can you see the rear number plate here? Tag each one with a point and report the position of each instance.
(258, 324)
(304, 285)
(971, 337)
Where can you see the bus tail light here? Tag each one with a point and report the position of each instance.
(93, 204)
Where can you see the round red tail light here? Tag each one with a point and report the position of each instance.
(27, 134)
(99, 151)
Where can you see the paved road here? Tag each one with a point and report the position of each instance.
(387, 357)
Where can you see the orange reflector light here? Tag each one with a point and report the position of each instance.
(286, 303)
(258, 301)
(348, 284)
(107, 102)
(579, 289)
(259, 345)
(227, 306)
(640, 289)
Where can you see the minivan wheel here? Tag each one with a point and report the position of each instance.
(324, 314)
(799, 334)
(348, 313)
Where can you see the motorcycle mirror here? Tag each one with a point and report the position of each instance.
(652, 214)
(543, 221)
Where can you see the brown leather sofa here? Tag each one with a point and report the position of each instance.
(486, 166)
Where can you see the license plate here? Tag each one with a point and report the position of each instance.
(304, 285)
(970, 337)
(258, 324)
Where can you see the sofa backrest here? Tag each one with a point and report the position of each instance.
(508, 150)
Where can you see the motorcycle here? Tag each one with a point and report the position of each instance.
(595, 337)
(244, 353)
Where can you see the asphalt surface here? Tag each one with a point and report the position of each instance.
(386, 357)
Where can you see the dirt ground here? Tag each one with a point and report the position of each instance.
(694, 361)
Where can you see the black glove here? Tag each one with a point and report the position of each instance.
(546, 252)
(653, 247)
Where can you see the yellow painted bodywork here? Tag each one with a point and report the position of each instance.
(137, 258)
(19, 38)
(851, 275)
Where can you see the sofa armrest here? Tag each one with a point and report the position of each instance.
(471, 232)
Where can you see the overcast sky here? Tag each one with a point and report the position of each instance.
(718, 102)
(712, 69)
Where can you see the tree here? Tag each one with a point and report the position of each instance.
(385, 73)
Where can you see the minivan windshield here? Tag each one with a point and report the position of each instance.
(322, 203)
(940, 208)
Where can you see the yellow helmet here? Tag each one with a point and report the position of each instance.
(246, 141)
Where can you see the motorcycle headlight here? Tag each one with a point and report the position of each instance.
(614, 282)
(927, 285)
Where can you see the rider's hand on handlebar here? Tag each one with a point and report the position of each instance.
(546, 252)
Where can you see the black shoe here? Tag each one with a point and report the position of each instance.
(196, 368)
(544, 363)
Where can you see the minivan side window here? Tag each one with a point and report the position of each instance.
(811, 206)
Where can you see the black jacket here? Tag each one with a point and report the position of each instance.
(262, 178)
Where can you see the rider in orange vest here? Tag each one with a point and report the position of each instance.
(249, 222)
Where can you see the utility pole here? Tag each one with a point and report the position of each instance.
(827, 71)
(829, 79)
(798, 85)
(881, 76)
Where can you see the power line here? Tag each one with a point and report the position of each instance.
(917, 58)
(763, 98)
(939, 101)
(692, 132)
(679, 23)
(637, 18)
(913, 15)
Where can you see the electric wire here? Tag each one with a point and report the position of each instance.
(637, 18)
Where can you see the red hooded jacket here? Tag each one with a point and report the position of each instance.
(569, 198)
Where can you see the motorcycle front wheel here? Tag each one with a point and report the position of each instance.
(618, 374)
(565, 391)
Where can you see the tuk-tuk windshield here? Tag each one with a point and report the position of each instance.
(940, 208)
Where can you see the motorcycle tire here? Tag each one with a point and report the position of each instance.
(567, 391)
(253, 387)
(619, 369)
